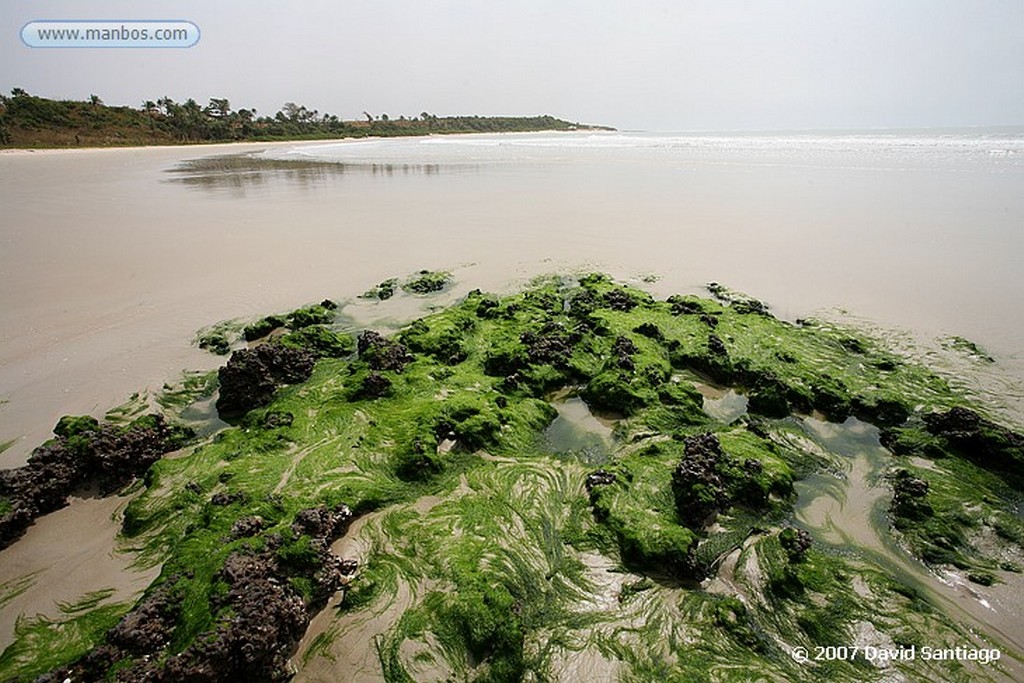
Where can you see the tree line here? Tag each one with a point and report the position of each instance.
(30, 120)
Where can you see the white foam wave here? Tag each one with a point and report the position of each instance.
(844, 150)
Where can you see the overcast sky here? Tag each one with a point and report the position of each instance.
(651, 65)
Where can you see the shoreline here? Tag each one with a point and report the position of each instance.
(26, 151)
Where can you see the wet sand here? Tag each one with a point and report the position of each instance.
(66, 555)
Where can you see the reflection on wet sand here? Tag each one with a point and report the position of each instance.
(233, 175)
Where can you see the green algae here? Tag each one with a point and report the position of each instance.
(427, 281)
(42, 643)
(384, 291)
(482, 537)
(220, 338)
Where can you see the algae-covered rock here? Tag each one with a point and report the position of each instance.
(321, 341)
(381, 353)
(261, 328)
(84, 453)
(990, 445)
(252, 375)
(697, 485)
(383, 291)
(492, 542)
(374, 385)
(427, 281)
(908, 497)
(617, 391)
(796, 543)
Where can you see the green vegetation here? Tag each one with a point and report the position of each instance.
(383, 291)
(425, 282)
(484, 556)
(42, 644)
(31, 121)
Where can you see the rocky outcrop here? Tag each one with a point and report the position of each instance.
(84, 454)
(381, 353)
(796, 543)
(623, 350)
(599, 478)
(553, 344)
(909, 496)
(374, 385)
(252, 375)
(257, 620)
(699, 490)
(619, 300)
(988, 444)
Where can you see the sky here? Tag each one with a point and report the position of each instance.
(642, 65)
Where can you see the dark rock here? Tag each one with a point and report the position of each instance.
(582, 303)
(193, 487)
(275, 419)
(148, 627)
(224, 499)
(650, 330)
(716, 347)
(831, 397)
(709, 320)
(321, 522)
(487, 308)
(426, 281)
(623, 351)
(328, 304)
(750, 306)
(768, 397)
(697, 485)
(252, 375)
(681, 306)
(375, 385)
(619, 300)
(257, 621)
(553, 344)
(988, 444)
(796, 543)
(909, 493)
(85, 453)
(381, 353)
(881, 412)
(908, 486)
(246, 527)
(599, 478)
(718, 291)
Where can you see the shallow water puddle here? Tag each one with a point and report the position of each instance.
(578, 432)
(726, 408)
(721, 403)
(848, 509)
